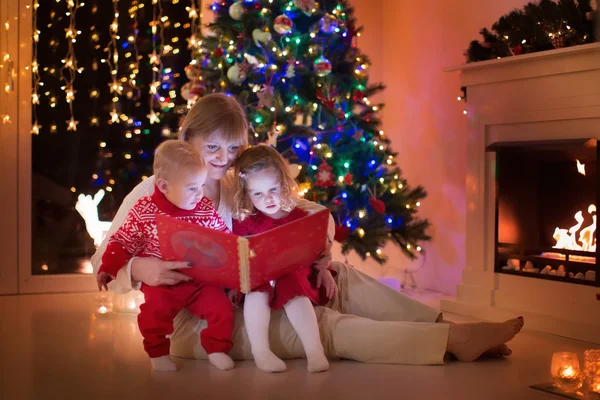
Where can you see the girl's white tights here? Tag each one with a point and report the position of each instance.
(301, 314)
(257, 316)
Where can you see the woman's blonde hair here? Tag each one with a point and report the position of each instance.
(255, 159)
(173, 155)
(216, 112)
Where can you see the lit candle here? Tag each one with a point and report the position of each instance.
(565, 371)
(592, 372)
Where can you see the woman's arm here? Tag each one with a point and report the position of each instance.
(123, 282)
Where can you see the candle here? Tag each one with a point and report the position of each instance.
(591, 367)
(565, 371)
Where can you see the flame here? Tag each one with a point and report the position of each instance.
(580, 167)
(567, 238)
(568, 372)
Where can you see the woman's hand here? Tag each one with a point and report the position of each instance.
(326, 279)
(155, 272)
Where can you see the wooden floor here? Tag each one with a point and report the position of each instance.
(55, 347)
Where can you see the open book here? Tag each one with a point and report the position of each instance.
(243, 263)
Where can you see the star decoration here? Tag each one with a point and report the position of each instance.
(70, 95)
(153, 58)
(115, 87)
(114, 116)
(35, 129)
(6, 119)
(72, 124)
(35, 98)
(153, 117)
(348, 178)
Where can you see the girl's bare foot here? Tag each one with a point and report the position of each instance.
(469, 341)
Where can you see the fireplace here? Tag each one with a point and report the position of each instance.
(533, 125)
(546, 196)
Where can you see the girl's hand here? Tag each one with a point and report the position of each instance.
(102, 279)
(155, 272)
(325, 278)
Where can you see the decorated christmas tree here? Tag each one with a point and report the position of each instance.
(296, 67)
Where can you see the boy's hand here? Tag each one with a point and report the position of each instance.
(326, 279)
(102, 279)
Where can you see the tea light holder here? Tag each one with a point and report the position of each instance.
(104, 303)
(566, 372)
(591, 370)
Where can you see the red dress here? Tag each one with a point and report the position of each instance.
(138, 236)
(302, 282)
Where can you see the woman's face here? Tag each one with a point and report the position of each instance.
(218, 153)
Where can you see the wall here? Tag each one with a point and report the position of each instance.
(410, 42)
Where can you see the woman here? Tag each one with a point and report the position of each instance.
(365, 321)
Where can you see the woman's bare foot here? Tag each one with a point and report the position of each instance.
(469, 341)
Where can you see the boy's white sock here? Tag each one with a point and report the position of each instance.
(221, 361)
(301, 314)
(257, 316)
(163, 363)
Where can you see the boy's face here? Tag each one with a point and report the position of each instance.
(264, 189)
(185, 190)
(218, 153)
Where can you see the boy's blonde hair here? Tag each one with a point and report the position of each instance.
(216, 112)
(255, 159)
(173, 155)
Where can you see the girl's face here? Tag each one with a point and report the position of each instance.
(264, 189)
(218, 153)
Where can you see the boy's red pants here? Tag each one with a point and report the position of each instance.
(163, 303)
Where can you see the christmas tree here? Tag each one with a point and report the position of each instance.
(296, 68)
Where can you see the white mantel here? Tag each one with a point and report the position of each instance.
(547, 95)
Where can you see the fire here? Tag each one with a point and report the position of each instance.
(567, 238)
(580, 167)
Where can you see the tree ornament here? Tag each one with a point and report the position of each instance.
(341, 233)
(322, 66)
(197, 90)
(218, 52)
(328, 24)
(236, 74)
(236, 11)
(306, 6)
(324, 175)
(192, 71)
(348, 178)
(517, 50)
(558, 42)
(290, 72)
(265, 96)
(375, 203)
(283, 24)
(261, 37)
(186, 91)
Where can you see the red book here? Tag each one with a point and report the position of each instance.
(243, 263)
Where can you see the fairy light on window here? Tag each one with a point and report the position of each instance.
(35, 71)
(69, 69)
(155, 57)
(112, 59)
(9, 83)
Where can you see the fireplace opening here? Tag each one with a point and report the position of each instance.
(546, 197)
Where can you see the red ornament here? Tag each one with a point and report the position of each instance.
(358, 95)
(218, 52)
(377, 205)
(198, 88)
(341, 233)
(324, 176)
(517, 50)
(348, 178)
(558, 42)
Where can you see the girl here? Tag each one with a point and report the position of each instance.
(266, 198)
(216, 126)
